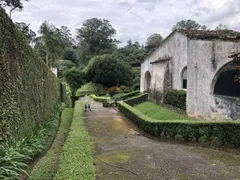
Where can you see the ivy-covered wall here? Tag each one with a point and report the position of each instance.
(28, 89)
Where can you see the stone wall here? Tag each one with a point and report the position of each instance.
(205, 58)
(28, 89)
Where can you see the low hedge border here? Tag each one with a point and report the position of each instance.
(47, 167)
(221, 132)
(137, 100)
(76, 162)
(98, 99)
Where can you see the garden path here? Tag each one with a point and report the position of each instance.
(121, 152)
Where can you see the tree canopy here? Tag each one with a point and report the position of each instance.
(13, 4)
(188, 25)
(96, 36)
(24, 28)
(109, 71)
(221, 27)
(153, 41)
(52, 42)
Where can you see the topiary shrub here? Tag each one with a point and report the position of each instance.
(176, 98)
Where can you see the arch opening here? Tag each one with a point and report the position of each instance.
(227, 80)
(184, 78)
(147, 81)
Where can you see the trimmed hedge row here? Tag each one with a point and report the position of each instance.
(176, 98)
(221, 132)
(137, 100)
(76, 162)
(98, 99)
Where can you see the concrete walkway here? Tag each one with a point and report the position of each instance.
(121, 153)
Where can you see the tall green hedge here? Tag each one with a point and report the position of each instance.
(28, 89)
(176, 98)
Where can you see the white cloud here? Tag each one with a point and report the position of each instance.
(133, 19)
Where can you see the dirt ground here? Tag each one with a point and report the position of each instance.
(122, 153)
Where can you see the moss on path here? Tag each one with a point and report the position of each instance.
(122, 153)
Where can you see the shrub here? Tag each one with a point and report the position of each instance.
(137, 100)
(96, 98)
(14, 158)
(221, 132)
(76, 162)
(176, 98)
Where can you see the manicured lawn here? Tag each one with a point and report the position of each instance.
(76, 162)
(47, 167)
(155, 111)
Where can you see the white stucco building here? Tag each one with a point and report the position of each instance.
(197, 61)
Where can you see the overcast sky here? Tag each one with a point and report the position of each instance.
(133, 19)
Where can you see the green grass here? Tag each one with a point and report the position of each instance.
(47, 167)
(76, 162)
(155, 111)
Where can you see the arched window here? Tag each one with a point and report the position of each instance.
(228, 80)
(184, 78)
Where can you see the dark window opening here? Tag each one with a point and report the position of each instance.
(228, 84)
(184, 84)
(184, 78)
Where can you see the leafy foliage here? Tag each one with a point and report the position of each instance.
(153, 41)
(75, 78)
(64, 65)
(25, 103)
(13, 4)
(132, 53)
(176, 98)
(109, 71)
(14, 158)
(47, 167)
(24, 28)
(221, 27)
(188, 25)
(76, 162)
(95, 38)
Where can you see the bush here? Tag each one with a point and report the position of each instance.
(176, 98)
(220, 132)
(76, 162)
(14, 158)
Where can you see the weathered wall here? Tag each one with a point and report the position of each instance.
(174, 46)
(205, 58)
(28, 89)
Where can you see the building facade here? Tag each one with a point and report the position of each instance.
(198, 62)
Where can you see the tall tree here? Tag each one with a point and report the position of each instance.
(13, 4)
(221, 27)
(96, 37)
(75, 79)
(188, 25)
(153, 41)
(24, 28)
(49, 45)
(108, 71)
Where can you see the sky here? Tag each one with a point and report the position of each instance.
(132, 19)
